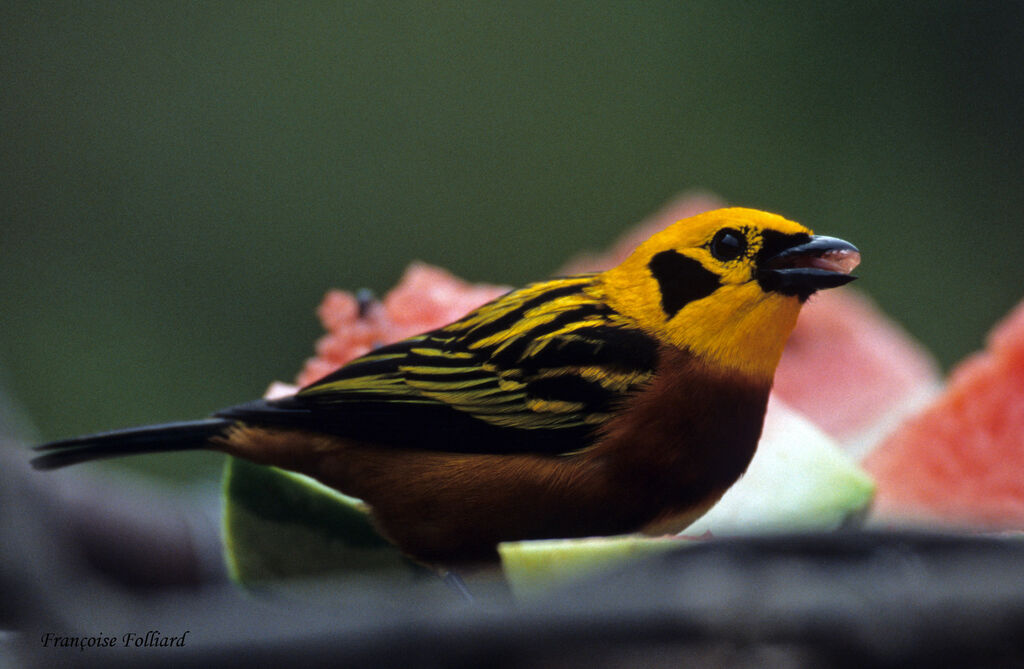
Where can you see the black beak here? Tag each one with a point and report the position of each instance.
(808, 265)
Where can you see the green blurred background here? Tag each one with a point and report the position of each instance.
(183, 181)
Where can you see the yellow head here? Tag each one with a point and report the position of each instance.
(727, 285)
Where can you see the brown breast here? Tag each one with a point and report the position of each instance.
(679, 444)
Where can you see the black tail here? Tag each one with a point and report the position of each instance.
(131, 441)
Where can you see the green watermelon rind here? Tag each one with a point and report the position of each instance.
(532, 568)
(278, 524)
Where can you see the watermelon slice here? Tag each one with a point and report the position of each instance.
(280, 525)
(532, 568)
(961, 461)
(876, 373)
(426, 297)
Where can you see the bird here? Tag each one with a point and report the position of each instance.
(598, 404)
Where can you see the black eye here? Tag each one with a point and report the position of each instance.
(728, 244)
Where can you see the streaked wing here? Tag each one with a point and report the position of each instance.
(536, 370)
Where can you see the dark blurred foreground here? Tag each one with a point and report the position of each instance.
(94, 563)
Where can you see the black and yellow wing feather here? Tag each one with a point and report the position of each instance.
(538, 369)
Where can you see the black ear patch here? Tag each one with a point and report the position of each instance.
(681, 280)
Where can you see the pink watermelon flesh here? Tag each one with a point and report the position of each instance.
(851, 370)
(427, 297)
(961, 461)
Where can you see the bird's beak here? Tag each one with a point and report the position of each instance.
(821, 262)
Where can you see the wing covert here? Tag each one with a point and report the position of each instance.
(537, 370)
